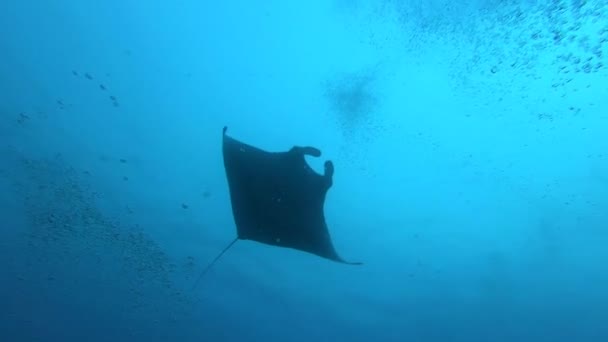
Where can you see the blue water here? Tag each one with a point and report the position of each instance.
(471, 152)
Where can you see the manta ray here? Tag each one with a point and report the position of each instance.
(277, 198)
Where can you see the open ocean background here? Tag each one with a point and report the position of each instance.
(470, 141)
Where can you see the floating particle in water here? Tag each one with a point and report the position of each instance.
(190, 261)
(22, 118)
(113, 98)
(125, 178)
(74, 72)
(115, 104)
(122, 160)
(587, 68)
(558, 36)
(102, 87)
(88, 76)
(184, 206)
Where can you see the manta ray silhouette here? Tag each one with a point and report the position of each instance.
(277, 198)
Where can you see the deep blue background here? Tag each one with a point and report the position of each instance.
(470, 145)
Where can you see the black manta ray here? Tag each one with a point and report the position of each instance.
(277, 198)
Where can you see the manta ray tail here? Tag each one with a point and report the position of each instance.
(206, 269)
